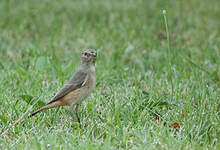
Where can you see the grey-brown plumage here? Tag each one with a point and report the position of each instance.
(74, 83)
(79, 86)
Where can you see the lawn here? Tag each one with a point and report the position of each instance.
(151, 92)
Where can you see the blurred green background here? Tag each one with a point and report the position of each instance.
(138, 77)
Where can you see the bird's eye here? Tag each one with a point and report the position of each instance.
(85, 53)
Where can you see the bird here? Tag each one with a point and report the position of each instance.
(78, 87)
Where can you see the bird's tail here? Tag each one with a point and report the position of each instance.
(48, 106)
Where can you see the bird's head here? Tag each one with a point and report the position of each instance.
(88, 56)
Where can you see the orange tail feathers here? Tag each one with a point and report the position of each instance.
(48, 106)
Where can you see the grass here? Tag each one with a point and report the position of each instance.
(137, 80)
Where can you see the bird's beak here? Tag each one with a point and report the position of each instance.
(94, 54)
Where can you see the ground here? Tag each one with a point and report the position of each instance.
(151, 93)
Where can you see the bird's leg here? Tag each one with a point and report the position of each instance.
(71, 111)
(76, 112)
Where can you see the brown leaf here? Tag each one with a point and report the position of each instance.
(157, 118)
(175, 125)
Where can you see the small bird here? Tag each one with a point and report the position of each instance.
(79, 86)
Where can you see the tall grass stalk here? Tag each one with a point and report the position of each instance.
(170, 75)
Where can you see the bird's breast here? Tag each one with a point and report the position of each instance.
(91, 81)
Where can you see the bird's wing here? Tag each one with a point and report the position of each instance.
(76, 81)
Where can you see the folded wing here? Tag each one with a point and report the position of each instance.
(76, 81)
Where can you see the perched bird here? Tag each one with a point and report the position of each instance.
(79, 86)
